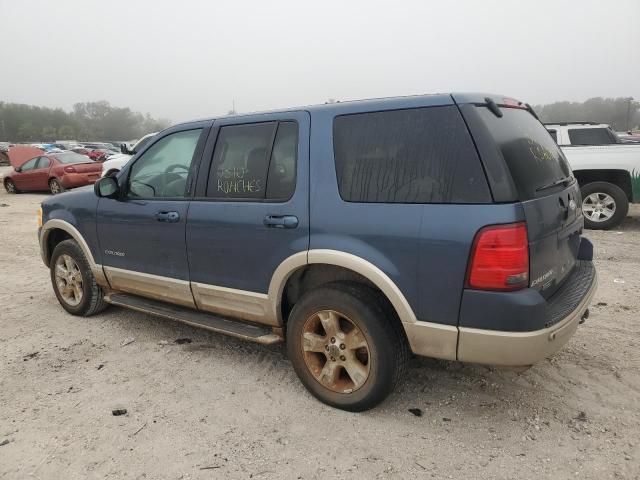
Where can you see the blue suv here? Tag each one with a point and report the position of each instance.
(447, 226)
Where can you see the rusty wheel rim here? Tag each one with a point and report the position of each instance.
(335, 351)
(69, 280)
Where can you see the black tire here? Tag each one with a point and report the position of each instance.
(618, 196)
(55, 186)
(10, 187)
(92, 295)
(387, 344)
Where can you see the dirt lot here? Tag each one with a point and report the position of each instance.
(221, 408)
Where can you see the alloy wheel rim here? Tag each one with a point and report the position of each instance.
(55, 188)
(335, 351)
(598, 207)
(10, 186)
(69, 280)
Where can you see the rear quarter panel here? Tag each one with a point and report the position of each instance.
(422, 248)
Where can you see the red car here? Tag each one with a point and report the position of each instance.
(93, 153)
(54, 172)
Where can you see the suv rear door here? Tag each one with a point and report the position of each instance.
(521, 156)
(250, 212)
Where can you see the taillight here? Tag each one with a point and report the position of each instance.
(500, 258)
(69, 169)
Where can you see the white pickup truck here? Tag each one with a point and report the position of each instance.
(607, 169)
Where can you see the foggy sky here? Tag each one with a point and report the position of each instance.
(188, 59)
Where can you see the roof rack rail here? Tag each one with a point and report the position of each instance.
(572, 123)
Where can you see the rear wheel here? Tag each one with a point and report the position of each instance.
(55, 186)
(9, 186)
(73, 281)
(604, 205)
(344, 347)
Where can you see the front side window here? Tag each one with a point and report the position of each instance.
(162, 171)
(30, 165)
(590, 136)
(254, 162)
(421, 155)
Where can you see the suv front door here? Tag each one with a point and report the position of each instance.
(250, 212)
(142, 233)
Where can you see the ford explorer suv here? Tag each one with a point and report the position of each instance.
(607, 169)
(360, 233)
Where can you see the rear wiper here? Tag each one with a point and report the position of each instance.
(555, 183)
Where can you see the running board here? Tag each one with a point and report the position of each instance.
(234, 328)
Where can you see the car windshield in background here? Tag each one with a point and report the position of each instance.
(532, 156)
(72, 157)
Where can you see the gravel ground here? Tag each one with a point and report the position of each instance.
(221, 408)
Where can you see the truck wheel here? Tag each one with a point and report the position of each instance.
(55, 186)
(73, 281)
(604, 205)
(344, 347)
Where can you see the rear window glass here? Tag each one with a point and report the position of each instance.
(72, 157)
(532, 156)
(590, 136)
(422, 155)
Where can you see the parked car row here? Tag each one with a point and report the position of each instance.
(65, 164)
(55, 172)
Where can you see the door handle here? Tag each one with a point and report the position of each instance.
(169, 217)
(281, 221)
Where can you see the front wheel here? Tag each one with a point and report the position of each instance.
(73, 281)
(9, 186)
(344, 347)
(604, 205)
(55, 186)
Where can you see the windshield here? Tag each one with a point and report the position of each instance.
(532, 156)
(72, 157)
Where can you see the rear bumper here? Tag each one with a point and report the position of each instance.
(73, 180)
(503, 348)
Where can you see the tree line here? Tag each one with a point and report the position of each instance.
(99, 121)
(88, 121)
(621, 113)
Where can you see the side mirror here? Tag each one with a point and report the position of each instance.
(18, 169)
(106, 187)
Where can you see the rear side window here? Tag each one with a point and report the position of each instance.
(254, 162)
(532, 157)
(590, 136)
(422, 155)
